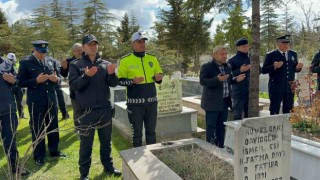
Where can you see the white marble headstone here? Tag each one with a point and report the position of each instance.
(262, 148)
(169, 94)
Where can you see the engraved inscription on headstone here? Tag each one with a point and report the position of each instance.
(262, 149)
(169, 94)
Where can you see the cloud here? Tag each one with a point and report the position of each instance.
(10, 8)
(144, 10)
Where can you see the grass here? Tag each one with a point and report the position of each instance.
(66, 168)
(263, 95)
(191, 162)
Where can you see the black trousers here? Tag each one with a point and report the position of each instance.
(215, 129)
(61, 103)
(9, 124)
(41, 117)
(277, 98)
(75, 113)
(240, 106)
(101, 120)
(18, 94)
(139, 115)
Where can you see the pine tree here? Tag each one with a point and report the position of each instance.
(5, 34)
(96, 18)
(269, 23)
(197, 31)
(3, 19)
(72, 15)
(174, 19)
(124, 29)
(170, 29)
(57, 10)
(288, 25)
(219, 36)
(97, 22)
(133, 23)
(234, 26)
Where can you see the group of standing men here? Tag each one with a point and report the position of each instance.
(226, 84)
(90, 79)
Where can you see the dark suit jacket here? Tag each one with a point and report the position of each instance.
(315, 65)
(212, 94)
(279, 79)
(64, 72)
(240, 89)
(43, 93)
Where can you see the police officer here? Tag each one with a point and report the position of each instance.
(8, 116)
(18, 92)
(77, 54)
(139, 71)
(40, 74)
(240, 64)
(281, 65)
(315, 67)
(90, 77)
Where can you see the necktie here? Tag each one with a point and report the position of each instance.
(284, 55)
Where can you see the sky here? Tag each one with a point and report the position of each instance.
(144, 10)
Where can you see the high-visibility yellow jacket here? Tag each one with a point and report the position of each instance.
(132, 66)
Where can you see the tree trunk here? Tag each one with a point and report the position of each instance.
(196, 64)
(255, 62)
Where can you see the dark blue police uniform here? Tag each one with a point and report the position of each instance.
(41, 101)
(8, 116)
(240, 91)
(280, 79)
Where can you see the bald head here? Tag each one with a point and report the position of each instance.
(77, 50)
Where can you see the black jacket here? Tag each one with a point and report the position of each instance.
(43, 93)
(212, 94)
(64, 72)
(91, 92)
(240, 89)
(8, 103)
(280, 79)
(315, 65)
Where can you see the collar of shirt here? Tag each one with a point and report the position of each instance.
(283, 52)
(36, 57)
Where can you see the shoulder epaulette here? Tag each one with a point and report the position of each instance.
(25, 58)
(232, 57)
(292, 51)
(150, 54)
(271, 51)
(125, 56)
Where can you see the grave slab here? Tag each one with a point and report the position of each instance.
(141, 164)
(170, 126)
